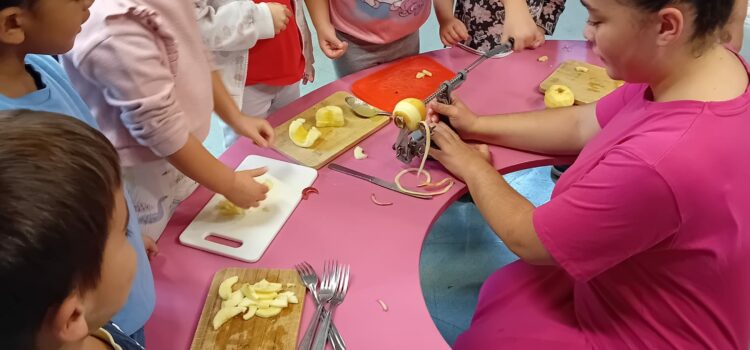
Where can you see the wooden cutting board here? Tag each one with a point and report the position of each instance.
(277, 333)
(333, 141)
(384, 88)
(587, 86)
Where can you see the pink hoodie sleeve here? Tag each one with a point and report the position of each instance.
(134, 67)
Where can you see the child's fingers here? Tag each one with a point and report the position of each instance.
(256, 137)
(267, 132)
(336, 52)
(444, 40)
(256, 172)
(462, 31)
(455, 37)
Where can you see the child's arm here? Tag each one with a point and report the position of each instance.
(549, 13)
(452, 30)
(256, 129)
(129, 68)
(321, 18)
(238, 25)
(736, 24)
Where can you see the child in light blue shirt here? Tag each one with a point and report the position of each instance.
(38, 82)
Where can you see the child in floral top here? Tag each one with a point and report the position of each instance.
(484, 24)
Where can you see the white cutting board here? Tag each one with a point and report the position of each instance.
(255, 229)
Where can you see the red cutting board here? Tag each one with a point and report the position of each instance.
(384, 88)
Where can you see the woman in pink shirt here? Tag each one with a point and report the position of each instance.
(142, 68)
(645, 243)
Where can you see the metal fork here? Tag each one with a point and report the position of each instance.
(325, 293)
(338, 297)
(310, 280)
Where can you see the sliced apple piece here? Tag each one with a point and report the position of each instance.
(266, 296)
(234, 300)
(225, 288)
(225, 315)
(267, 287)
(268, 313)
(281, 301)
(264, 304)
(251, 310)
(246, 302)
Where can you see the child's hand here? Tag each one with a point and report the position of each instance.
(524, 31)
(332, 47)
(308, 76)
(452, 32)
(256, 129)
(151, 249)
(459, 116)
(281, 16)
(245, 191)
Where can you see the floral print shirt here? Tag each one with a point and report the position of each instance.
(484, 19)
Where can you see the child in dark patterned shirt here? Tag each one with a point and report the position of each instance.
(484, 24)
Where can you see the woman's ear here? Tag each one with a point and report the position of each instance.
(671, 25)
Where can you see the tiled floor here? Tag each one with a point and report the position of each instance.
(461, 250)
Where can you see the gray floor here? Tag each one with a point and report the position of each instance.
(461, 250)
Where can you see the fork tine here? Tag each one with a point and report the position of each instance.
(336, 282)
(326, 273)
(305, 271)
(346, 282)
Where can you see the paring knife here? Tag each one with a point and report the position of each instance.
(385, 184)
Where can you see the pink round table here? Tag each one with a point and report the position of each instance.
(382, 244)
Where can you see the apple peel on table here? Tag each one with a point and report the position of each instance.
(263, 299)
(359, 153)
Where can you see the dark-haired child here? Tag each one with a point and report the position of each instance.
(29, 79)
(66, 264)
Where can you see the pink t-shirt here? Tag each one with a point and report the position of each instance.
(379, 22)
(651, 231)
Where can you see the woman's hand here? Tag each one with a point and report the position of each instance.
(457, 156)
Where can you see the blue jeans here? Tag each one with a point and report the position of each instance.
(140, 337)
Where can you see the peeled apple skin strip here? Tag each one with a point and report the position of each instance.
(377, 202)
(420, 170)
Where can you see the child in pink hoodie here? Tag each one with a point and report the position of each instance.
(142, 68)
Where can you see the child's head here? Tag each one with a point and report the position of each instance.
(41, 26)
(66, 265)
(636, 37)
